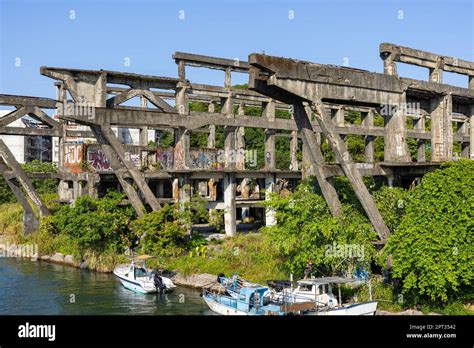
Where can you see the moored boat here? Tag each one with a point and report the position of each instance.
(250, 301)
(319, 292)
(136, 277)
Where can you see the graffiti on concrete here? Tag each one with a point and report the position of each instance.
(97, 160)
(73, 157)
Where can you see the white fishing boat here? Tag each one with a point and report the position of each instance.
(316, 295)
(136, 277)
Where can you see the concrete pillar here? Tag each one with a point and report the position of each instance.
(389, 65)
(93, 181)
(471, 82)
(185, 189)
(368, 121)
(395, 146)
(240, 147)
(211, 139)
(229, 204)
(270, 156)
(441, 129)
(293, 151)
(143, 136)
(338, 118)
(181, 91)
(436, 74)
(212, 189)
(175, 188)
(270, 138)
(181, 148)
(270, 219)
(245, 194)
(229, 147)
(419, 124)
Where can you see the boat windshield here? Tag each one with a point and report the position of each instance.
(140, 272)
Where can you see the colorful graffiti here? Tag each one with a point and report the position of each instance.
(97, 160)
(77, 155)
(73, 157)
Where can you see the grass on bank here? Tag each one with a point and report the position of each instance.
(250, 255)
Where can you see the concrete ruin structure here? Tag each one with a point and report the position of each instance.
(318, 97)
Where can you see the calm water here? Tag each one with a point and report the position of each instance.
(28, 287)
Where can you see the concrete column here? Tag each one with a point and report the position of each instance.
(185, 191)
(293, 151)
(181, 148)
(307, 165)
(143, 136)
(270, 138)
(175, 188)
(270, 156)
(93, 181)
(419, 124)
(436, 74)
(181, 91)
(471, 82)
(368, 121)
(338, 118)
(395, 146)
(229, 204)
(211, 139)
(229, 147)
(389, 65)
(441, 129)
(245, 194)
(270, 219)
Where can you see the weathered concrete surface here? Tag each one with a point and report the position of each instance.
(201, 281)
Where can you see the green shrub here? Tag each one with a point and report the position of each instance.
(433, 246)
(161, 232)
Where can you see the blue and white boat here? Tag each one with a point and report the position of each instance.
(233, 285)
(249, 301)
(136, 277)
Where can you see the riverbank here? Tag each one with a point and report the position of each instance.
(208, 281)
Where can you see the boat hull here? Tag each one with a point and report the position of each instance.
(135, 287)
(221, 309)
(367, 308)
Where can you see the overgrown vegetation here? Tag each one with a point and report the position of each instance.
(432, 248)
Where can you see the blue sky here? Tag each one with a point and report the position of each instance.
(104, 34)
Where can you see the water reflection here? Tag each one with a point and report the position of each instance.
(28, 287)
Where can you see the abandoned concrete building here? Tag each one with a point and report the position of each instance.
(318, 98)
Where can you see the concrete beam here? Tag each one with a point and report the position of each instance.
(21, 176)
(351, 172)
(30, 222)
(427, 59)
